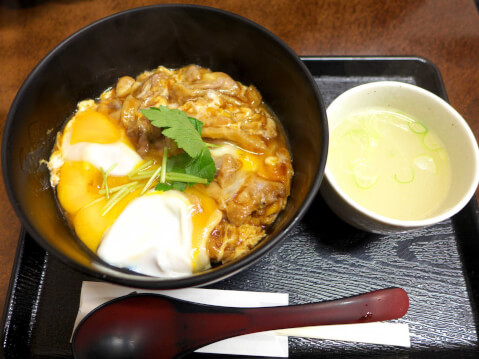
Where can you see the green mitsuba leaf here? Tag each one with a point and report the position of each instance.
(202, 166)
(163, 187)
(186, 132)
(177, 125)
(179, 186)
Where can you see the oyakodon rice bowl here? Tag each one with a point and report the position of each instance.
(69, 75)
(144, 191)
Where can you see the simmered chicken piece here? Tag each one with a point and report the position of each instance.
(229, 110)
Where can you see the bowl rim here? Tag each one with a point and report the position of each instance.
(202, 278)
(446, 107)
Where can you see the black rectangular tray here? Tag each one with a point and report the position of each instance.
(322, 259)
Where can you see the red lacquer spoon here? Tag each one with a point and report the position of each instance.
(153, 326)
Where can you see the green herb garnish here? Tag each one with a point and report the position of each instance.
(151, 180)
(140, 168)
(195, 165)
(184, 130)
(105, 179)
(118, 196)
(117, 188)
(163, 165)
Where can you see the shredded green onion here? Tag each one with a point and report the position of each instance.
(163, 165)
(94, 202)
(114, 200)
(417, 127)
(117, 197)
(105, 182)
(365, 182)
(425, 163)
(142, 176)
(117, 188)
(103, 174)
(431, 142)
(151, 180)
(112, 167)
(184, 177)
(140, 168)
(105, 179)
(404, 176)
(364, 176)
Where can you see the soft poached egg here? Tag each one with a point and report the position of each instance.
(92, 137)
(153, 235)
(90, 143)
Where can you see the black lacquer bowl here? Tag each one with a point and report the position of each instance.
(129, 43)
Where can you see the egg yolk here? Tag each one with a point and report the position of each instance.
(201, 211)
(90, 224)
(78, 186)
(205, 215)
(251, 162)
(78, 193)
(264, 165)
(95, 127)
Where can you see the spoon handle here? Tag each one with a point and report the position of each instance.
(384, 304)
(141, 326)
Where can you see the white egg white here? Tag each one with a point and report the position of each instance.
(117, 156)
(153, 236)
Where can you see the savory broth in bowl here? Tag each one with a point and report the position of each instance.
(172, 171)
(401, 158)
(384, 158)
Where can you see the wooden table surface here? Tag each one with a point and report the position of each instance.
(444, 31)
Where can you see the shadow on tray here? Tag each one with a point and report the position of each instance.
(331, 230)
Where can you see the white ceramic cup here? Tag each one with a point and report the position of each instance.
(437, 115)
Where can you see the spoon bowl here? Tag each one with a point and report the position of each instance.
(144, 325)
